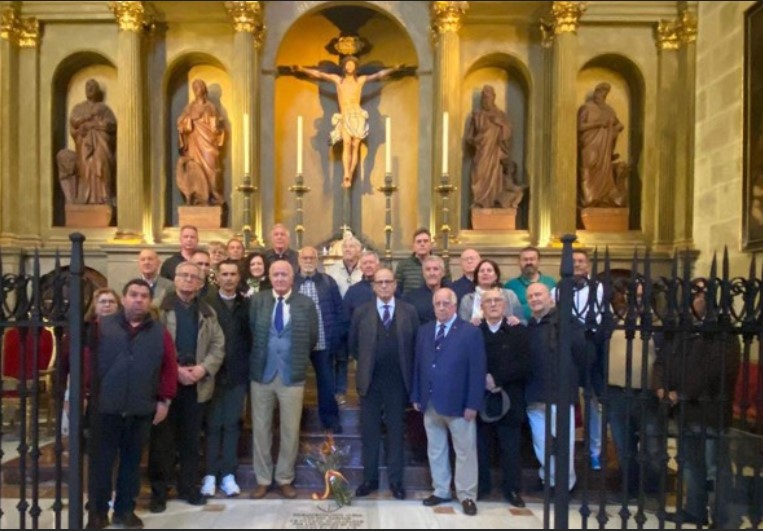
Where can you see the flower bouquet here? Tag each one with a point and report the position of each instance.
(328, 459)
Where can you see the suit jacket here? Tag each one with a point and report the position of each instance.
(304, 323)
(362, 341)
(452, 379)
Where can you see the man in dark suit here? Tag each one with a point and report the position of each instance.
(382, 338)
(448, 386)
(284, 327)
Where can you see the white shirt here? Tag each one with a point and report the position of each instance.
(380, 307)
(286, 311)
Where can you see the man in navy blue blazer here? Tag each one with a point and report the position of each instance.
(448, 386)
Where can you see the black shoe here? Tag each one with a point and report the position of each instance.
(127, 520)
(194, 497)
(397, 491)
(470, 508)
(434, 500)
(157, 505)
(366, 488)
(687, 518)
(97, 521)
(515, 499)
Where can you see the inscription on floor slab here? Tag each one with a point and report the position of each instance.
(344, 518)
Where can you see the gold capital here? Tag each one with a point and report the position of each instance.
(688, 30)
(29, 34)
(130, 15)
(667, 34)
(248, 16)
(566, 16)
(448, 17)
(10, 25)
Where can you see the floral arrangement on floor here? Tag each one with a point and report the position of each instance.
(328, 458)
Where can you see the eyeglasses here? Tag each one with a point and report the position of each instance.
(492, 301)
(384, 282)
(188, 276)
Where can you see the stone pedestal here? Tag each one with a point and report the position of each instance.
(494, 218)
(605, 219)
(201, 217)
(88, 216)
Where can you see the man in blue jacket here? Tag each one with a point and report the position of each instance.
(448, 386)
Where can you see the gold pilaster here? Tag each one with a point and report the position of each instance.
(447, 19)
(249, 33)
(562, 183)
(687, 71)
(8, 117)
(131, 167)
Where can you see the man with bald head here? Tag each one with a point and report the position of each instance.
(543, 327)
(284, 327)
(279, 250)
(148, 264)
(469, 260)
(448, 387)
(332, 326)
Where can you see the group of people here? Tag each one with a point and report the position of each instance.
(188, 342)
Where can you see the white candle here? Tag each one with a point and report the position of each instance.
(388, 144)
(299, 145)
(445, 142)
(246, 143)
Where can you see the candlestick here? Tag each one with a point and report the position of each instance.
(445, 142)
(388, 144)
(299, 144)
(246, 143)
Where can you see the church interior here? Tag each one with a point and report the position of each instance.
(635, 126)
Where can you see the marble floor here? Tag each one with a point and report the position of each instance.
(362, 514)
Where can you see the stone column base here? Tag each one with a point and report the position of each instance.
(494, 218)
(605, 219)
(201, 217)
(89, 216)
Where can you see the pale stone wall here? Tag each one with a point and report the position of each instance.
(718, 185)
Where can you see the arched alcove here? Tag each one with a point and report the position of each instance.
(626, 97)
(68, 90)
(179, 92)
(511, 80)
(307, 43)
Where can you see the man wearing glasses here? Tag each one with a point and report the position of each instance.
(448, 386)
(200, 347)
(382, 338)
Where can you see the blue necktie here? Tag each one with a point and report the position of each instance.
(386, 318)
(278, 319)
(440, 337)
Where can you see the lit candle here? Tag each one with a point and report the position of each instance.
(246, 143)
(388, 143)
(445, 142)
(299, 145)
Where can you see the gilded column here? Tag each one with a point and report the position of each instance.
(247, 41)
(130, 131)
(447, 19)
(27, 204)
(668, 42)
(684, 196)
(9, 38)
(565, 17)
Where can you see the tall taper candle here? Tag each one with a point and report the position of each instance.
(299, 145)
(246, 143)
(445, 142)
(388, 145)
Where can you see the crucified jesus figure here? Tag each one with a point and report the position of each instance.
(351, 123)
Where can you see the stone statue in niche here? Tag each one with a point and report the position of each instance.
(495, 191)
(87, 174)
(602, 175)
(200, 136)
(351, 122)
